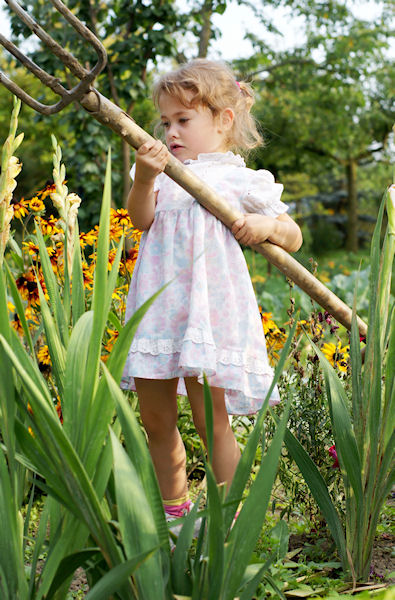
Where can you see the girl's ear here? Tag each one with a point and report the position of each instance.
(227, 118)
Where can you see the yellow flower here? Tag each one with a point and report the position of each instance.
(336, 355)
(20, 209)
(31, 248)
(43, 355)
(324, 277)
(258, 279)
(50, 226)
(87, 276)
(10, 307)
(50, 189)
(36, 204)
(121, 217)
(302, 326)
(128, 262)
(116, 231)
(111, 258)
(113, 333)
(267, 321)
(88, 239)
(135, 234)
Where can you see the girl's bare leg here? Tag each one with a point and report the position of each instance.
(226, 453)
(158, 408)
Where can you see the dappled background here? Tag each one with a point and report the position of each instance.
(324, 77)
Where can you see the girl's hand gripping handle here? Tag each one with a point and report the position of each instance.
(151, 159)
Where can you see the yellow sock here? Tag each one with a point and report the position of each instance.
(176, 501)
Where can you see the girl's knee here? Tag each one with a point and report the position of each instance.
(158, 422)
(158, 405)
(220, 428)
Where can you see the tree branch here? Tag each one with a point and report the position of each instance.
(290, 61)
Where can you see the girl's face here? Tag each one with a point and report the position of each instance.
(193, 131)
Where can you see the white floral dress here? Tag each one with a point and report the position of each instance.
(207, 319)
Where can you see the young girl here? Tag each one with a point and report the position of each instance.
(207, 319)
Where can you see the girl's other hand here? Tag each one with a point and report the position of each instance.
(253, 229)
(151, 159)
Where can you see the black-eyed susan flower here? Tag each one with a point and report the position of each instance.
(267, 321)
(336, 355)
(43, 355)
(16, 324)
(111, 257)
(31, 248)
(113, 335)
(87, 276)
(120, 216)
(50, 226)
(20, 209)
(116, 231)
(88, 239)
(58, 407)
(36, 204)
(47, 191)
(128, 262)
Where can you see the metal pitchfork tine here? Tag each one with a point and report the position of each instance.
(112, 116)
(86, 77)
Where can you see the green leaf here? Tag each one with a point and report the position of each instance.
(346, 445)
(68, 565)
(19, 309)
(245, 532)
(138, 453)
(136, 523)
(181, 581)
(56, 348)
(100, 294)
(215, 536)
(318, 488)
(77, 289)
(243, 470)
(73, 401)
(11, 544)
(112, 581)
(52, 288)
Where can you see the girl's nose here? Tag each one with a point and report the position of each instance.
(172, 131)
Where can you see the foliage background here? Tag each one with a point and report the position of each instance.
(325, 103)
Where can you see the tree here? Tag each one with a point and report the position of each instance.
(135, 34)
(329, 102)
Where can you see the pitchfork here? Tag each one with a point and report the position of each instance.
(116, 119)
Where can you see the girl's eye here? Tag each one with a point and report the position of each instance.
(183, 120)
(165, 124)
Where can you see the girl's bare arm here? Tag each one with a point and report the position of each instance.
(253, 229)
(151, 159)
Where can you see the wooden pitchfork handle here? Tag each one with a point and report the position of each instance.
(110, 115)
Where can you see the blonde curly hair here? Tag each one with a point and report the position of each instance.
(214, 86)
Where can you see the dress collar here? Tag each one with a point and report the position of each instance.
(223, 158)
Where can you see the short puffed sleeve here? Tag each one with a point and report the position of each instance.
(157, 180)
(262, 194)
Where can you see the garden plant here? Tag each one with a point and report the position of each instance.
(363, 425)
(61, 433)
(68, 430)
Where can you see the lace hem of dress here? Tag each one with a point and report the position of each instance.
(238, 358)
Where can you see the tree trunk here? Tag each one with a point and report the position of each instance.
(205, 32)
(352, 206)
